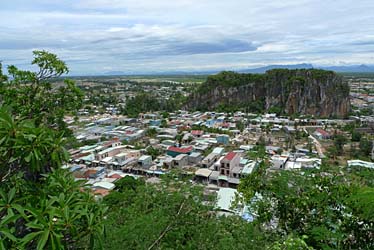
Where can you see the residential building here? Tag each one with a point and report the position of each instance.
(174, 151)
(145, 161)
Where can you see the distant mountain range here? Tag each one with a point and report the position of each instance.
(266, 68)
(354, 68)
(342, 69)
(351, 68)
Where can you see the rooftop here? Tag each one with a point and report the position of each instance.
(183, 150)
(230, 156)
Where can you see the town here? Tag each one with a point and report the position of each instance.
(216, 149)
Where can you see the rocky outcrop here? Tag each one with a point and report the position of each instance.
(303, 91)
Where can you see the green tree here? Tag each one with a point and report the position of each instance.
(41, 206)
(339, 142)
(164, 123)
(365, 146)
(151, 132)
(174, 215)
(356, 136)
(240, 126)
(154, 152)
(326, 205)
(31, 95)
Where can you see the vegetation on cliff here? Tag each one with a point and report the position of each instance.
(302, 91)
(146, 102)
(228, 79)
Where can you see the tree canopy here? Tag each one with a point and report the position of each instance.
(31, 95)
(41, 205)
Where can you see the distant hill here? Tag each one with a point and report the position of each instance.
(314, 92)
(350, 68)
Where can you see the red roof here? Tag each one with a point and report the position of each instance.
(116, 176)
(108, 143)
(180, 150)
(77, 156)
(322, 132)
(197, 132)
(181, 128)
(100, 191)
(175, 122)
(230, 156)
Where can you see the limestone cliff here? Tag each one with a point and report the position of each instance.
(302, 91)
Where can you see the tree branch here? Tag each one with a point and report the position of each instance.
(168, 228)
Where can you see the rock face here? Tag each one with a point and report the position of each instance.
(302, 91)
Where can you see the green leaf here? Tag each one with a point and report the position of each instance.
(8, 235)
(29, 237)
(43, 240)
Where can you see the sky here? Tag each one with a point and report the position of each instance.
(150, 36)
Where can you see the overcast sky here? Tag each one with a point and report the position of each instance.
(137, 36)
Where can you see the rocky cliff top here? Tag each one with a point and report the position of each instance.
(302, 91)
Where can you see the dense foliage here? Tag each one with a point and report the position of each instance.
(329, 207)
(146, 102)
(41, 206)
(171, 215)
(229, 79)
(31, 95)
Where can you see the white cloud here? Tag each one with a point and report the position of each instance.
(144, 35)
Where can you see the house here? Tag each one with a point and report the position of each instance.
(229, 170)
(194, 158)
(202, 147)
(109, 152)
(289, 129)
(309, 162)
(104, 185)
(321, 134)
(155, 123)
(145, 161)
(167, 162)
(248, 168)
(187, 137)
(223, 139)
(120, 158)
(133, 154)
(174, 151)
(225, 197)
(359, 163)
(180, 160)
(197, 133)
(279, 161)
(219, 151)
(101, 192)
(213, 177)
(230, 161)
(94, 172)
(202, 175)
(209, 160)
(111, 144)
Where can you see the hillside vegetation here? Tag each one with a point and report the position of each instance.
(301, 91)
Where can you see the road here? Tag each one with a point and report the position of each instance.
(318, 145)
